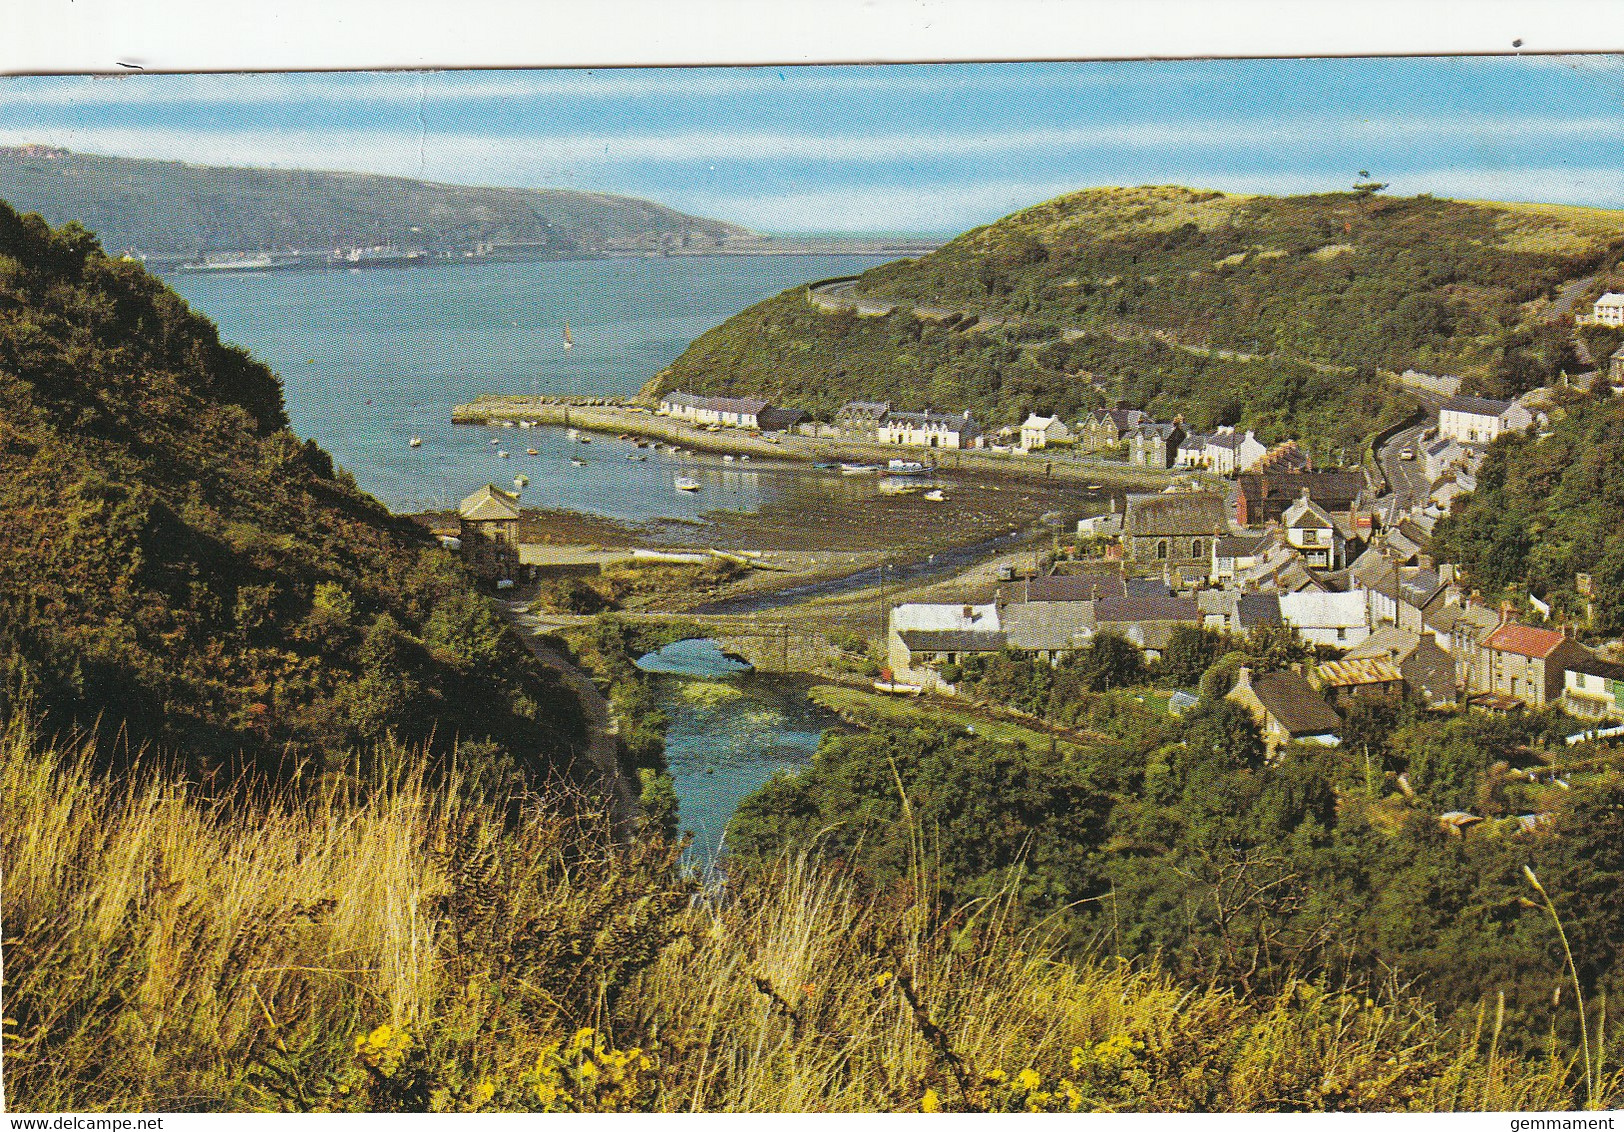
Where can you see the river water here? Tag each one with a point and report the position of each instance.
(731, 730)
(370, 359)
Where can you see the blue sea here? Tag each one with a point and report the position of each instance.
(370, 359)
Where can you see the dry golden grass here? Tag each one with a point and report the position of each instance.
(395, 948)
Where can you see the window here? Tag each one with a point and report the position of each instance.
(1161, 549)
(1197, 550)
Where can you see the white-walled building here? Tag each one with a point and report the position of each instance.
(930, 430)
(1040, 432)
(1223, 451)
(1340, 620)
(1610, 309)
(922, 636)
(1478, 420)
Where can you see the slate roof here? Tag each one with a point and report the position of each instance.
(1479, 406)
(1237, 546)
(1137, 607)
(1074, 587)
(1291, 699)
(1274, 491)
(1525, 640)
(1430, 669)
(1175, 513)
(1048, 626)
(489, 503)
(951, 640)
(1387, 643)
(1305, 513)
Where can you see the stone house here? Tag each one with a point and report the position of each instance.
(1340, 620)
(1529, 664)
(488, 528)
(1106, 428)
(1609, 310)
(861, 419)
(1341, 681)
(1176, 528)
(1287, 709)
(1263, 496)
(1155, 445)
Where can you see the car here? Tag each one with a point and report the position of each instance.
(1407, 454)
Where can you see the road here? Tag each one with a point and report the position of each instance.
(602, 749)
(1407, 479)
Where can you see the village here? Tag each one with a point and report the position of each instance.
(1239, 537)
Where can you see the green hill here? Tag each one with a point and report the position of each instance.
(1546, 510)
(168, 208)
(1269, 312)
(177, 568)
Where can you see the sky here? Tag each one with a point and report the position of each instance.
(885, 149)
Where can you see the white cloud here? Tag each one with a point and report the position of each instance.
(406, 87)
(382, 150)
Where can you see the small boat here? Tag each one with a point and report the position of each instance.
(906, 468)
(577, 463)
(416, 442)
(495, 441)
(728, 457)
(569, 343)
(745, 457)
(858, 469)
(686, 483)
(501, 453)
(531, 452)
(1095, 487)
(573, 433)
(936, 496)
(507, 424)
(584, 439)
(521, 482)
(524, 424)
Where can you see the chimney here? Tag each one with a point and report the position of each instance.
(1505, 612)
(970, 613)
(1570, 630)
(1243, 678)
(1446, 573)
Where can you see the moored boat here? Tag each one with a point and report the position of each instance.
(416, 442)
(686, 483)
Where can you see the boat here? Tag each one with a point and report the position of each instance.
(501, 453)
(531, 452)
(507, 424)
(936, 496)
(897, 688)
(569, 343)
(521, 482)
(416, 442)
(728, 457)
(524, 424)
(493, 440)
(858, 469)
(906, 468)
(573, 433)
(686, 483)
(1095, 487)
(584, 439)
(381, 256)
(577, 463)
(254, 261)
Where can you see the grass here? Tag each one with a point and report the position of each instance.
(391, 948)
(892, 709)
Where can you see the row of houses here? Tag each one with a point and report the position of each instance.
(729, 412)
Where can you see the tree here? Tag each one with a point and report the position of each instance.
(1225, 731)
(1190, 652)
(1111, 661)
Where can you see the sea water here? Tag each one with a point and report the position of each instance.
(370, 359)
